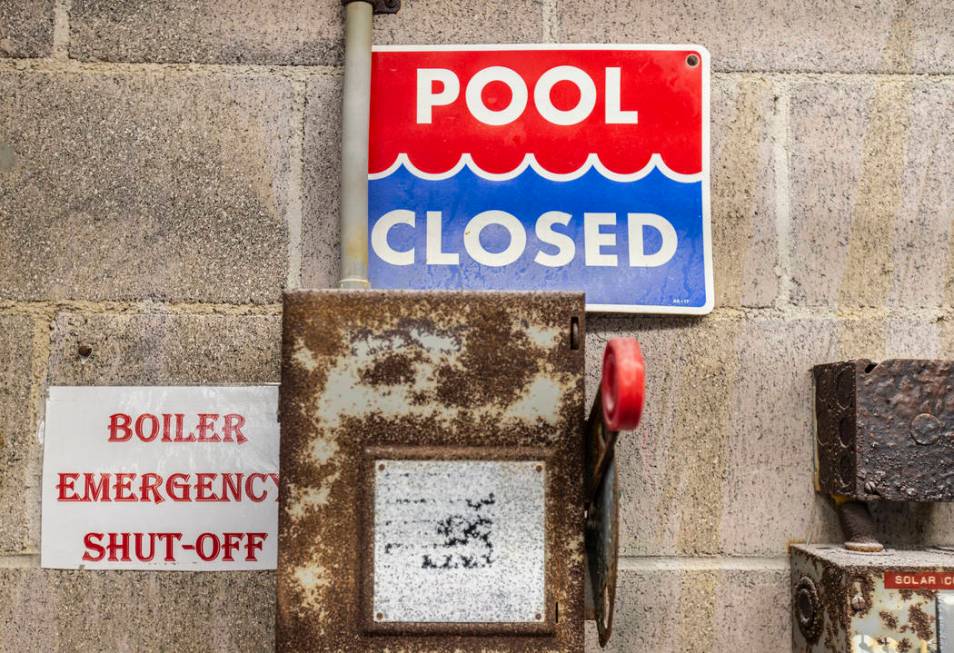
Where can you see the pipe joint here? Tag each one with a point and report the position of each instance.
(379, 6)
(858, 526)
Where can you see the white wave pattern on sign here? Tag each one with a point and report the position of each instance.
(530, 161)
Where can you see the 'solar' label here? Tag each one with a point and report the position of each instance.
(919, 580)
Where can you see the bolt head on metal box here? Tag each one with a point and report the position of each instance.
(846, 602)
(885, 431)
(431, 472)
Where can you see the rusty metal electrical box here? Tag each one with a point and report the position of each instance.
(886, 431)
(893, 602)
(432, 472)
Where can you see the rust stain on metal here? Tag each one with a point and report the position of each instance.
(920, 622)
(837, 610)
(393, 369)
(886, 431)
(371, 370)
(901, 620)
(889, 620)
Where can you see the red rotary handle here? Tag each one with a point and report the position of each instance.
(623, 384)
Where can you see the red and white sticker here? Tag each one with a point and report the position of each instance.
(919, 580)
(160, 478)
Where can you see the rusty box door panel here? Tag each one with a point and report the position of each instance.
(370, 375)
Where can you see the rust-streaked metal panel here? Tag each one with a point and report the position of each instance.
(886, 431)
(840, 603)
(370, 375)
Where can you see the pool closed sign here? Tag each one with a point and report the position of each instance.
(543, 168)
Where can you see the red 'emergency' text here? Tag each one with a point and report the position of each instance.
(156, 488)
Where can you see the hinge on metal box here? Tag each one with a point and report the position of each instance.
(380, 6)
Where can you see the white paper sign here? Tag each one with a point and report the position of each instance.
(161, 478)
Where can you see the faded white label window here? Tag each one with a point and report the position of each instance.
(459, 541)
(945, 622)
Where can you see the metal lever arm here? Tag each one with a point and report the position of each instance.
(618, 406)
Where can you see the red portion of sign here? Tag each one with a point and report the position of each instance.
(630, 104)
(919, 580)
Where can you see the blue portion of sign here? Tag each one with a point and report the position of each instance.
(667, 272)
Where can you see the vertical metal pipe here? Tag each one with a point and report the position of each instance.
(354, 145)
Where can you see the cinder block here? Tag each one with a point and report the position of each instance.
(451, 21)
(26, 28)
(64, 611)
(870, 200)
(132, 186)
(281, 31)
(672, 467)
(768, 495)
(745, 247)
(321, 181)
(208, 31)
(880, 338)
(687, 607)
(19, 449)
(160, 349)
(809, 35)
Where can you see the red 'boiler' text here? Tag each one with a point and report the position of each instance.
(171, 427)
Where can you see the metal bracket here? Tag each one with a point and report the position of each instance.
(601, 533)
(618, 406)
(380, 6)
(600, 444)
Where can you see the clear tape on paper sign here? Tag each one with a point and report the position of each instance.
(161, 478)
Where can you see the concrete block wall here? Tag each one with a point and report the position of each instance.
(167, 169)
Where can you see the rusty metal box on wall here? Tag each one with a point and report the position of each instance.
(896, 601)
(432, 472)
(886, 431)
